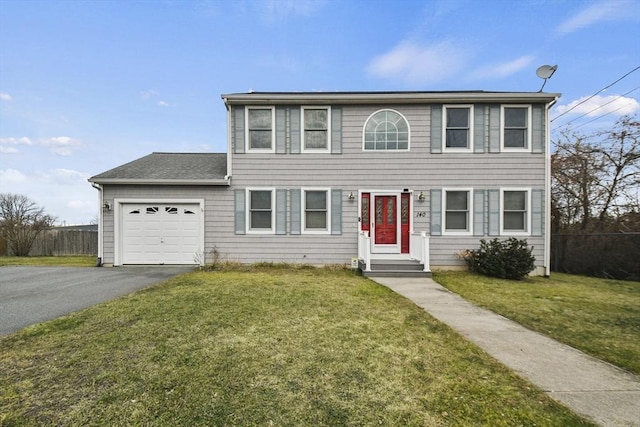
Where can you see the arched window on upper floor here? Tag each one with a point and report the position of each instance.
(386, 130)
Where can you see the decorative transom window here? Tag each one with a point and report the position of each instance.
(516, 127)
(260, 125)
(316, 125)
(316, 210)
(386, 130)
(260, 210)
(458, 125)
(515, 211)
(456, 211)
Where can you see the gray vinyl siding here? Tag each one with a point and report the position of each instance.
(420, 169)
(218, 210)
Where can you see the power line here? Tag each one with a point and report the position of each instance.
(603, 115)
(601, 106)
(598, 92)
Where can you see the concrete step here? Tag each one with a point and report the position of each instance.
(395, 268)
(396, 273)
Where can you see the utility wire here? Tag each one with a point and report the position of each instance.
(601, 106)
(602, 115)
(598, 92)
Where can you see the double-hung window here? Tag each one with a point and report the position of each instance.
(516, 213)
(317, 128)
(316, 215)
(458, 125)
(386, 130)
(260, 210)
(260, 128)
(516, 128)
(457, 212)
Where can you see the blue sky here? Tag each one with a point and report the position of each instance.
(88, 85)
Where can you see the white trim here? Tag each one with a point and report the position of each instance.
(303, 212)
(272, 230)
(247, 133)
(469, 148)
(303, 149)
(528, 133)
(469, 230)
(364, 128)
(527, 231)
(118, 205)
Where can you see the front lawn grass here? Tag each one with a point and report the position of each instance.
(272, 346)
(63, 261)
(598, 316)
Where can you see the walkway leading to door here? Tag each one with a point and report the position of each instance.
(594, 389)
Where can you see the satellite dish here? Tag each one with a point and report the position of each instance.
(545, 72)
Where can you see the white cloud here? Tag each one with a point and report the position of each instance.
(15, 141)
(64, 193)
(281, 9)
(5, 97)
(7, 145)
(163, 104)
(605, 10)
(61, 145)
(148, 94)
(504, 69)
(12, 177)
(419, 65)
(599, 105)
(8, 150)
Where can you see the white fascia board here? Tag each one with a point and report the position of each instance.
(125, 181)
(334, 98)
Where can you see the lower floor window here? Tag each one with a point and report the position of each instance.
(260, 210)
(456, 211)
(316, 210)
(515, 208)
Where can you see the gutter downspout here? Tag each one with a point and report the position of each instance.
(100, 221)
(547, 192)
(229, 144)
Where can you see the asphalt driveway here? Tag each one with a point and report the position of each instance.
(30, 295)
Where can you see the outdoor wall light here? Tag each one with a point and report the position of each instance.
(351, 197)
(421, 197)
(106, 206)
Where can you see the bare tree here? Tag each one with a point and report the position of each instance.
(21, 220)
(596, 177)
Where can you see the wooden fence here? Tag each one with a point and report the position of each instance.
(62, 242)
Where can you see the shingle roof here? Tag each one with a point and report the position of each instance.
(169, 168)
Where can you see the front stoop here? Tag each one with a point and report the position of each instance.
(394, 268)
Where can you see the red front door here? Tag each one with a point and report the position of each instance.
(386, 220)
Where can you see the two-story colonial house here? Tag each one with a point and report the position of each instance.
(391, 179)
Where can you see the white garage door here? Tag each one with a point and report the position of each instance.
(160, 233)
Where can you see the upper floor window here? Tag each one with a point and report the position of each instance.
(515, 211)
(316, 125)
(260, 123)
(457, 211)
(260, 210)
(457, 127)
(516, 129)
(386, 130)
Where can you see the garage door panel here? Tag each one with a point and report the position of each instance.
(160, 233)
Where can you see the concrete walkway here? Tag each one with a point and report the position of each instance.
(594, 389)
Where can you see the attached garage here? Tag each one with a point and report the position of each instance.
(154, 209)
(160, 233)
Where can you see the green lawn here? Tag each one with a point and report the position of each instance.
(64, 261)
(598, 316)
(271, 346)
